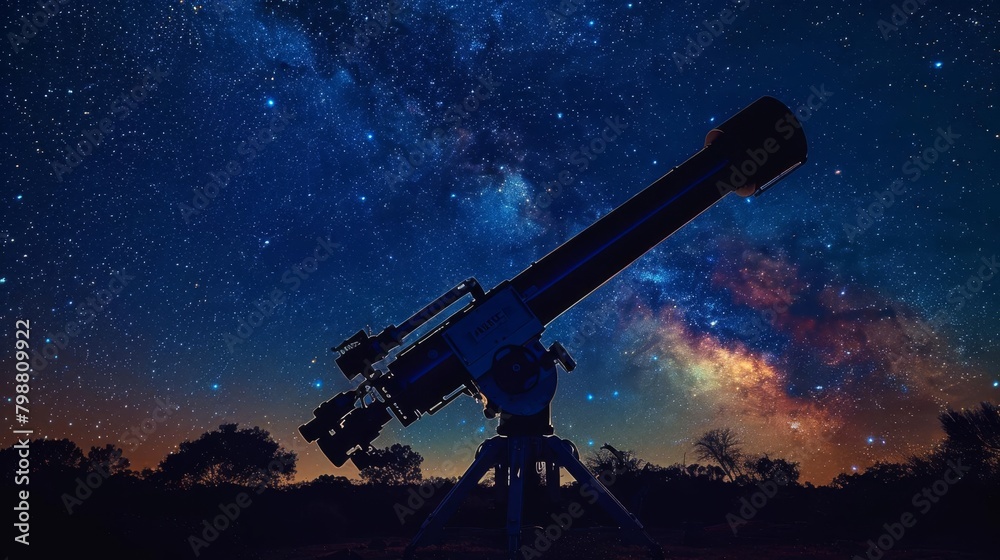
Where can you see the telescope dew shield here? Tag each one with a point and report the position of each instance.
(765, 134)
(764, 143)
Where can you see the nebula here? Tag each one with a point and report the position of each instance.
(855, 377)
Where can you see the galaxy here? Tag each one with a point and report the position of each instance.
(201, 198)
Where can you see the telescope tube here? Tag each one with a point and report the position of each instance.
(747, 154)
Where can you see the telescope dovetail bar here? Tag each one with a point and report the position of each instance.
(491, 347)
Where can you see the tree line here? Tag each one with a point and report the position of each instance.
(96, 497)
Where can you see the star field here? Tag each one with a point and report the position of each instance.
(243, 135)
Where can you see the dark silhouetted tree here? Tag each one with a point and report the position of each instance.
(247, 457)
(722, 446)
(760, 469)
(713, 472)
(879, 474)
(393, 466)
(53, 457)
(609, 459)
(974, 435)
(110, 458)
(694, 470)
(331, 481)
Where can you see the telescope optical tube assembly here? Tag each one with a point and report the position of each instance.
(491, 347)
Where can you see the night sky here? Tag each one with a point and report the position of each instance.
(819, 333)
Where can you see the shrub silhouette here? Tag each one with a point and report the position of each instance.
(110, 459)
(396, 465)
(974, 435)
(247, 457)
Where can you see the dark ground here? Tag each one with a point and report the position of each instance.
(716, 543)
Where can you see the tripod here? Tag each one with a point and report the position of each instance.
(523, 442)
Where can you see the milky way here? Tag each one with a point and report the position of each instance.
(206, 149)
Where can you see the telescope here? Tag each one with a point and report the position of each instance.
(489, 345)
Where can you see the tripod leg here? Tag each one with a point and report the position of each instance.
(432, 526)
(626, 520)
(552, 480)
(518, 451)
